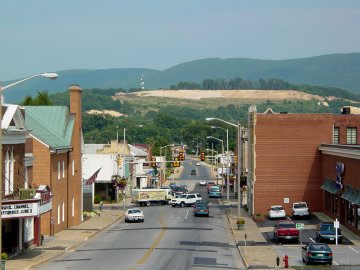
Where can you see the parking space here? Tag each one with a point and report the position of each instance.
(308, 235)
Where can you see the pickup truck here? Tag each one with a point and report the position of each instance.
(286, 230)
(186, 200)
(300, 209)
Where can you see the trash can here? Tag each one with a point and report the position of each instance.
(3, 264)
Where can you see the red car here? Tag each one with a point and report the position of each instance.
(209, 185)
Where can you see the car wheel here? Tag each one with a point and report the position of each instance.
(148, 203)
(182, 204)
(173, 205)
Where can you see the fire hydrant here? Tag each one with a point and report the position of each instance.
(286, 261)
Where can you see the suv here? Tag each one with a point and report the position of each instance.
(300, 209)
(186, 200)
(286, 230)
(325, 231)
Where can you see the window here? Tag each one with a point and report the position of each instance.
(351, 135)
(72, 207)
(58, 213)
(59, 170)
(26, 184)
(336, 139)
(73, 167)
(63, 169)
(63, 212)
(9, 173)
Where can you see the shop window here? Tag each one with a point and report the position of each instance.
(336, 139)
(350, 214)
(351, 135)
(63, 169)
(73, 167)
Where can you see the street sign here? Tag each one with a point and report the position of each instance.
(299, 226)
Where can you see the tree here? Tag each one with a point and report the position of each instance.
(42, 99)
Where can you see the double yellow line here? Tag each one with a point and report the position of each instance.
(154, 244)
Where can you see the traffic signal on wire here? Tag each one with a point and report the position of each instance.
(181, 156)
(119, 161)
(202, 156)
(176, 162)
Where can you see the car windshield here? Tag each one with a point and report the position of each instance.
(319, 247)
(277, 208)
(287, 225)
(134, 211)
(327, 227)
(300, 205)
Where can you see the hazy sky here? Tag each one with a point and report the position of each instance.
(45, 35)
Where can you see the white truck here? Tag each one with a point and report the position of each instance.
(185, 200)
(152, 196)
(300, 209)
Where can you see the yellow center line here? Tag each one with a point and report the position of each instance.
(154, 244)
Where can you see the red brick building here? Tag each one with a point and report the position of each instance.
(56, 147)
(285, 164)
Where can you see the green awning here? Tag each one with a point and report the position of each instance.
(351, 194)
(329, 186)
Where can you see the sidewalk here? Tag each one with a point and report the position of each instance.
(64, 240)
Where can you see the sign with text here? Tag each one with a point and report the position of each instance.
(19, 210)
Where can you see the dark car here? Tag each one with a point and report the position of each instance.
(201, 208)
(325, 232)
(193, 172)
(317, 253)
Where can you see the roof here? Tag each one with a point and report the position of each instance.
(53, 125)
(137, 152)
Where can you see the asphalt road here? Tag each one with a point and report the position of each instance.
(170, 238)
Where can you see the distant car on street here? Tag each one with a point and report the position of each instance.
(215, 192)
(193, 172)
(202, 183)
(201, 208)
(276, 211)
(134, 214)
(197, 163)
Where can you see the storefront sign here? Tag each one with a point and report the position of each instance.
(20, 210)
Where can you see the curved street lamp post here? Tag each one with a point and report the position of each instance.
(51, 76)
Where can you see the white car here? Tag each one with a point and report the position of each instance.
(276, 211)
(202, 183)
(300, 209)
(134, 214)
(198, 164)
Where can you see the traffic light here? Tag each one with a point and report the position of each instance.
(181, 156)
(202, 156)
(119, 161)
(235, 159)
(153, 162)
(176, 162)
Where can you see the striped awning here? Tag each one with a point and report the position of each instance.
(351, 194)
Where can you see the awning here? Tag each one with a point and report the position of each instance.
(329, 186)
(351, 194)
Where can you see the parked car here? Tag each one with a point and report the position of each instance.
(276, 211)
(193, 172)
(209, 185)
(300, 209)
(215, 192)
(286, 230)
(197, 163)
(134, 214)
(317, 253)
(325, 231)
(202, 183)
(172, 185)
(201, 208)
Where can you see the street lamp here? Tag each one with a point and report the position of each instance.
(222, 155)
(227, 164)
(162, 171)
(239, 153)
(51, 76)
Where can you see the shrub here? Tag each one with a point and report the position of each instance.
(240, 221)
(4, 256)
(97, 199)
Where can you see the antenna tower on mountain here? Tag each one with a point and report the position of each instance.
(142, 82)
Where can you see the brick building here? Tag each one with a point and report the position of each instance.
(287, 162)
(55, 142)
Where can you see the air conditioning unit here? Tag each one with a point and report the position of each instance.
(27, 193)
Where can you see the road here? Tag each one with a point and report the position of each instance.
(170, 238)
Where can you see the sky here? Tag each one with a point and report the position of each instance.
(39, 36)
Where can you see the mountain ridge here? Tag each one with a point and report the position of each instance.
(340, 70)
